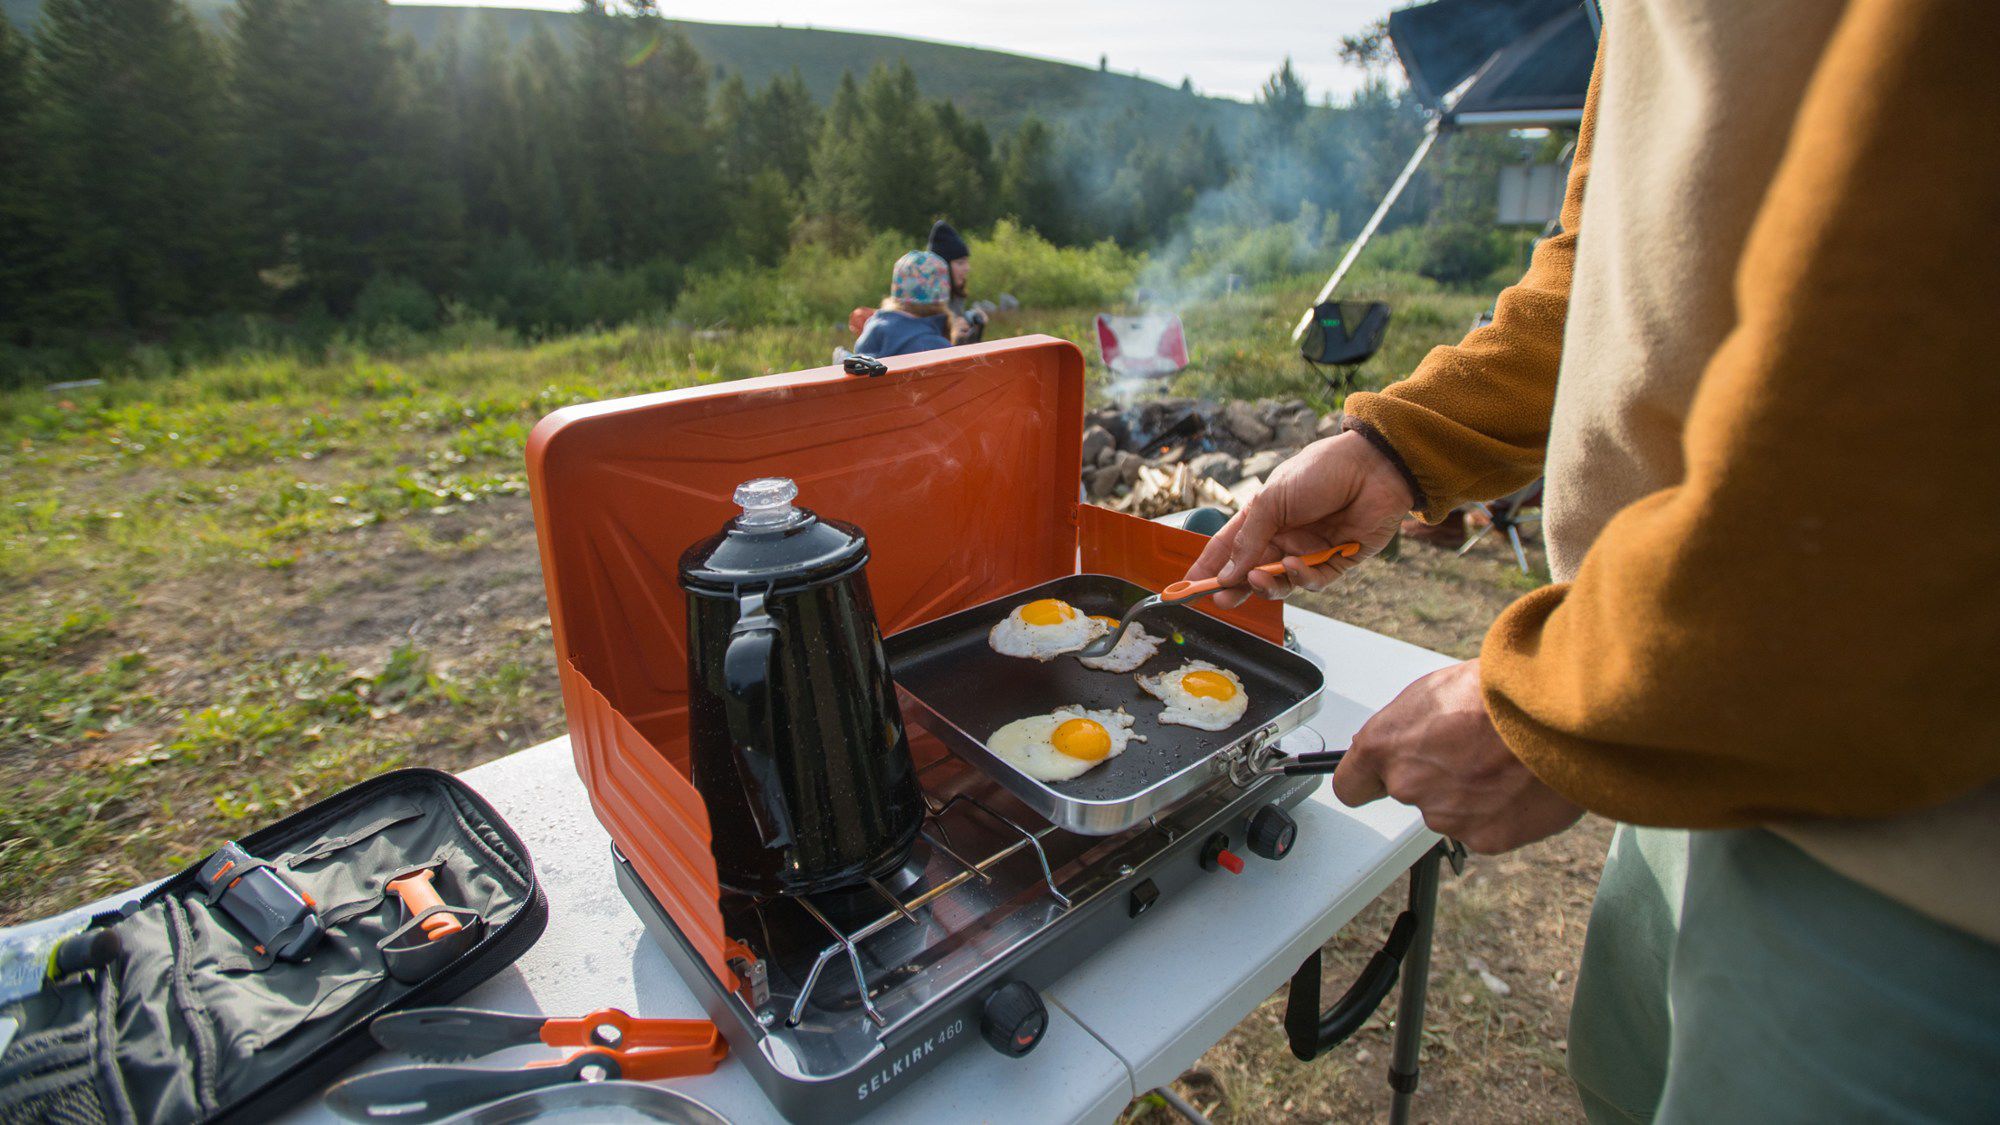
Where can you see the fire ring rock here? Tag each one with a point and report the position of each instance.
(1240, 419)
(1097, 445)
(1261, 463)
(1217, 467)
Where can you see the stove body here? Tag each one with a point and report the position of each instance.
(962, 466)
(995, 898)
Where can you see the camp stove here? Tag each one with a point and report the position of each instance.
(962, 467)
(846, 998)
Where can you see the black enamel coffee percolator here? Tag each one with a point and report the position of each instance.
(797, 743)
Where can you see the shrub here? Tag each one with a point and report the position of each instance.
(1016, 260)
(1462, 253)
(509, 283)
(815, 283)
(389, 302)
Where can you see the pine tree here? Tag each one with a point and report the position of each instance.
(344, 163)
(784, 120)
(901, 174)
(962, 160)
(737, 157)
(837, 190)
(541, 197)
(27, 243)
(130, 109)
(681, 202)
(647, 185)
(1029, 188)
(485, 144)
(760, 214)
(1282, 102)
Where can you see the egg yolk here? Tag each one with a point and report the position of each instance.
(1208, 685)
(1047, 611)
(1083, 739)
(1111, 621)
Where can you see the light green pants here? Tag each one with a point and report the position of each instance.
(1728, 976)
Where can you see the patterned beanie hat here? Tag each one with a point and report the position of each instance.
(921, 277)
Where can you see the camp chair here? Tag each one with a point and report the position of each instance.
(1343, 335)
(1151, 346)
(1510, 514)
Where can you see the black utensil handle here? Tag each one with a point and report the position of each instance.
(454, 1033)
(746, 679)
(430, 1093)
(1324, 762)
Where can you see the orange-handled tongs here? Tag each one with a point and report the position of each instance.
(613, 1045)
(1180, 593)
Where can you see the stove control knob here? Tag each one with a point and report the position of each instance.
(1272, 832)
(1014, 1019)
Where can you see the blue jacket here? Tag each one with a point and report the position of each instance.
(889, 332)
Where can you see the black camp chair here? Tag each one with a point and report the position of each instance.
(1343, 335)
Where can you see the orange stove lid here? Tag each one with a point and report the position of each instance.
(960, 466)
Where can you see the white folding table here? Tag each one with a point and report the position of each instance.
(1131, 1018)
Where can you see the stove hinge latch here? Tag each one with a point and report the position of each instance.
(1246, 760)
(755, 978)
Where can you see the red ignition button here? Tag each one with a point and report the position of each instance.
(1215, 853)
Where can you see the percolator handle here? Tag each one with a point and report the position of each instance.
(746, 678)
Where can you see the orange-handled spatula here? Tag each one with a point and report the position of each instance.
(1180, 593)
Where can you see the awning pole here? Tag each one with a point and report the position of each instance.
(1431, 132)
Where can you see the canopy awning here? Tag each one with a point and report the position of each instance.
(1514, 63)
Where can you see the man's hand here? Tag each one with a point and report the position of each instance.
(1434, 747)
(1337, 490)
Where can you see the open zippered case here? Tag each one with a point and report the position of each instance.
(194, 1022)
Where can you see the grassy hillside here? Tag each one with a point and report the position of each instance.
(993, 86)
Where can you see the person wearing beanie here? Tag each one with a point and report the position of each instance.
(914, 317)
(946, 243)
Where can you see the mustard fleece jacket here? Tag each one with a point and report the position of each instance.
(1806, 622)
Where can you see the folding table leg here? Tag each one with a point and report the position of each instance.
(1404, 1057)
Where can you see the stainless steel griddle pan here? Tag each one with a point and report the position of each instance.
(965, 691)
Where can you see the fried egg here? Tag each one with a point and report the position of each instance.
(1198, 694)
(1066, 743)
(1043, 630)
(1134, 648)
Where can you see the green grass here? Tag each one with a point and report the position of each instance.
(160, 538)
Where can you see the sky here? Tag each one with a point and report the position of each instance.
(1227, 48)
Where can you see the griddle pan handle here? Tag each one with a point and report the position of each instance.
(746, 679)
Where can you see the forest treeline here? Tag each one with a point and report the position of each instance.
(164, 179)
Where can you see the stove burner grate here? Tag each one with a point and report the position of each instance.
(847, 943)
